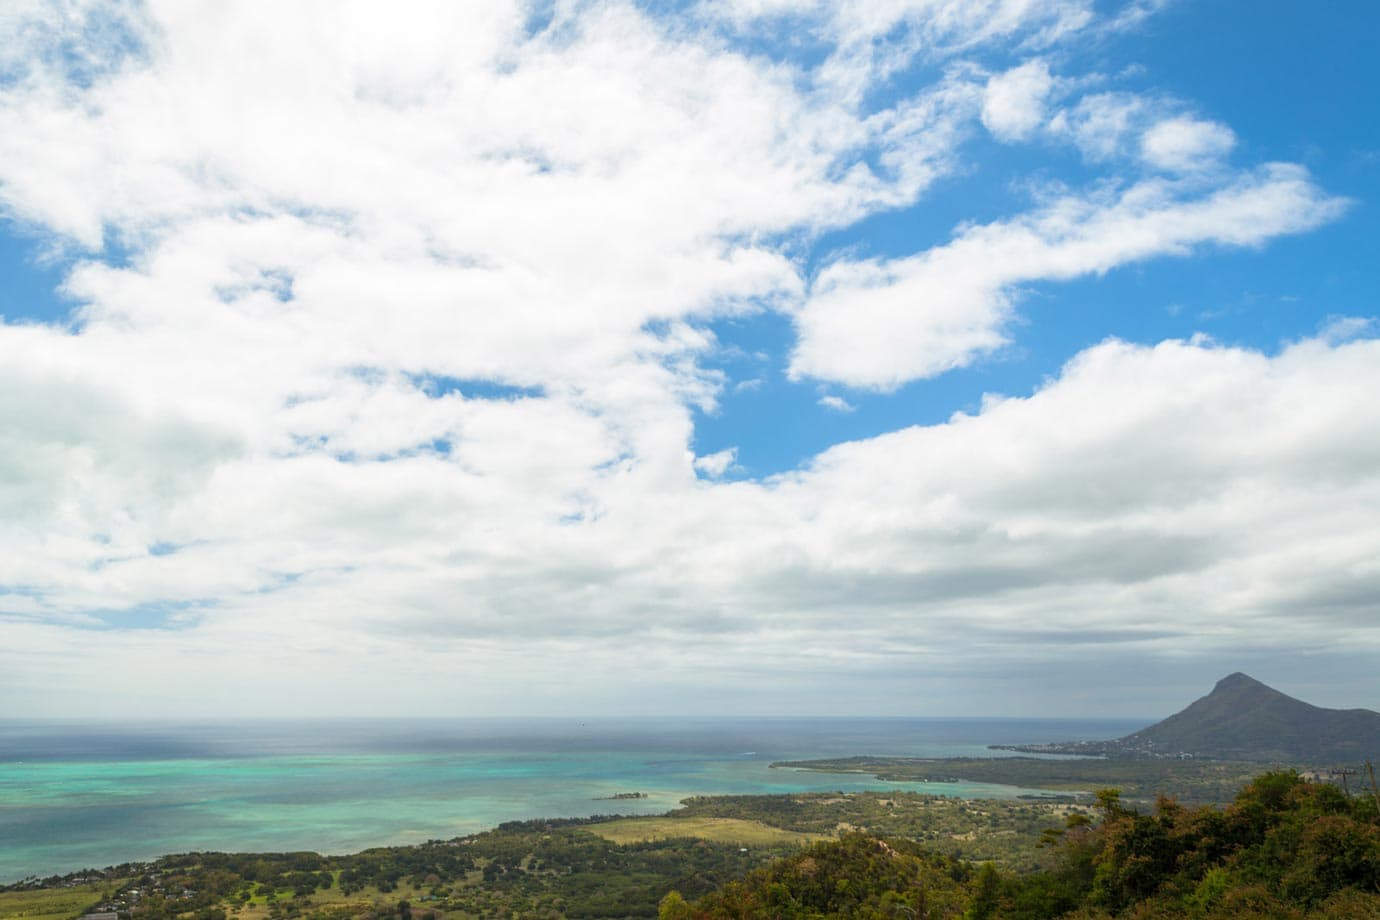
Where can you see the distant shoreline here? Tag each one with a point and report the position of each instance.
(368, 783)
(1140, 780)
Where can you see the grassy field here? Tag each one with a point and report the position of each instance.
(53, 903)
(719, 830)
(362, 901)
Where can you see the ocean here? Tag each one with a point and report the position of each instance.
(74, 796)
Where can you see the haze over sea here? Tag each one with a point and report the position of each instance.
(78, 795)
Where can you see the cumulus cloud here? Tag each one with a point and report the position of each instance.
(715, 465)
(1186, 485)
(880, 324)
(1101, 124)
(391, 339)
(1013, 105)
(1156, 130)
(1186, 144)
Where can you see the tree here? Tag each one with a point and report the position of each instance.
(987, 897)
(674, 907)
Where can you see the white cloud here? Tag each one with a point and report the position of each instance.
(1013, 105)
(1338, 329)
(872, 39)
(392, 336)
(1151, 501)
(715, 465)
(835, 403)
(880, 324)
(1112, 125)
(1186, 144)
(1100, 124)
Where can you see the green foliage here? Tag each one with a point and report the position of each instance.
(986, 894)
(1284, 848)
(674, 907)
(1005, 832)
(59, 902)
(855, 876)
(1215, 883)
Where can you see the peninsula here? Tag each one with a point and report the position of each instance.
(1242, 719)
(1203, 754)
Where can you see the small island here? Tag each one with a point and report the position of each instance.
(618, 796)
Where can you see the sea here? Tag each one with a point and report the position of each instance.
(76, 796)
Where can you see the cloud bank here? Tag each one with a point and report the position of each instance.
(390, 333)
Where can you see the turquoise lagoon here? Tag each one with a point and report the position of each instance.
(75, 796)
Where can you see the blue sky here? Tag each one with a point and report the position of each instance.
(1292, 85)
(872, 357)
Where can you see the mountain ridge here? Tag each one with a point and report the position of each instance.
(1244, 719)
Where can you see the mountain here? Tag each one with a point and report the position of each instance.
(1243, 719)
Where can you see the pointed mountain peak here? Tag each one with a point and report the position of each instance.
(1237, 681)
(1243, 719)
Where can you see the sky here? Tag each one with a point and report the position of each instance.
(890, 357)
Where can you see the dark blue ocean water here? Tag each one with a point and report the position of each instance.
(76, 795)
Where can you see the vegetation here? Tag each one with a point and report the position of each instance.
(721, 830)
(1196, 782)
(856, 876)
(60, 902)
(1003, 831)
(1285, 848)
(527, 869)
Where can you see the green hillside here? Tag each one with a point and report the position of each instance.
(1286, 848)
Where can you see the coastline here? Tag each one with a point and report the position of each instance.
(80, 795)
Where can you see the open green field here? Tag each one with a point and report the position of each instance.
(332, 900)
(53, 903)
(719, 830)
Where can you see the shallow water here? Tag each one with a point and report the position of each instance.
(73, 795)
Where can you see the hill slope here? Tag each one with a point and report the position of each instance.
(1242, 719)
(1285, 848)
